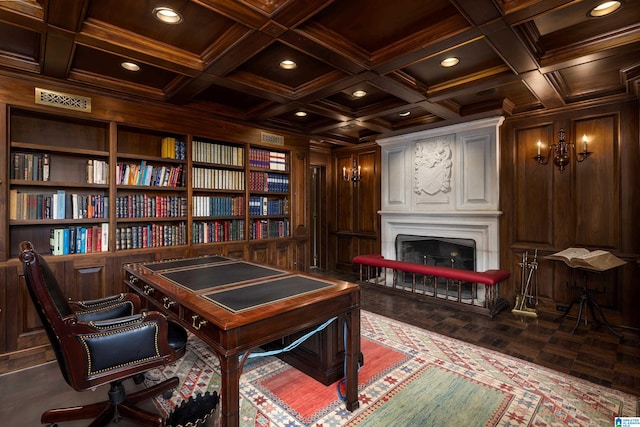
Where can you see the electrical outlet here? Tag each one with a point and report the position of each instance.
(562, 308)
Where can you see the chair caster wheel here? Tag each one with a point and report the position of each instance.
(167, 394)
(138, 378)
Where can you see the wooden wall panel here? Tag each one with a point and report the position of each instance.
(259, 252)
(533, 193)
(88, 279)
(4, 181)
(344, 253)
(283, 255)
(344, 213)
(367, 218)
(597, 203)
(3, 312)
(300, 185)
(355, 228)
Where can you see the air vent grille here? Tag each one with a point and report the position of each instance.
(269, 138)
(63, 100)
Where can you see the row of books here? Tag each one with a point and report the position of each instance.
(149, 175)
(223, 154)
(218, 231)
(58, 205)
(267, 181)
(30, 166)
(147, 206)
(150, 236)
(218, 206)
(260, 158)
(172, 148)
(218, 179)
(97, 172)
(268, 228)
(262, 205)
(79, 240)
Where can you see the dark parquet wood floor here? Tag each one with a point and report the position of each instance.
(591, 353)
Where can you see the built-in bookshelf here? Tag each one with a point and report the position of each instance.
(59, 181)
(219, 187)
(151, 199)
(80, 185)
(268, 194)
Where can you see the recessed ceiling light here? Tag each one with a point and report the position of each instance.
(167, 15)
(605, 8)
(404, 113)
(359, 93)
(301, 113)
(449, 62)
(288, 64)
(130, 66)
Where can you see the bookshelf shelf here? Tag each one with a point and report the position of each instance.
(217, 218)
(148, 219)
(81, 152)
(150, 159)
(54, 184)
(55, 222)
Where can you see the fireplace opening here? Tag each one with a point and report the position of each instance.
(443, 252)
(438, 251)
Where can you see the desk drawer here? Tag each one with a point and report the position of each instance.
(153, 295)
(197, 324)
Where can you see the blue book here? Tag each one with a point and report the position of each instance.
(61, 200)
(82, 240)
(65, 241)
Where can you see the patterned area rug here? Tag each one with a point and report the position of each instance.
(410, 377)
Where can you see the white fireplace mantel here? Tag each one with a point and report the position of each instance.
(443, 182)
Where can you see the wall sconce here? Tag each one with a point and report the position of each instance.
(354, 174)
(561, 152)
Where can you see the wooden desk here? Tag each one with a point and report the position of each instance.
(236, 306)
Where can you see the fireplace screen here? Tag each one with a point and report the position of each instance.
(442, 252)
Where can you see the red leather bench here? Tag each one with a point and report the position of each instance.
(454, 278)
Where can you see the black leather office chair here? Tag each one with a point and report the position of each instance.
(102, 342)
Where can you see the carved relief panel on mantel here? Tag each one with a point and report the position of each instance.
(454, 168)
(432, 169)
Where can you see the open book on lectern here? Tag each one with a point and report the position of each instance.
(597, 260)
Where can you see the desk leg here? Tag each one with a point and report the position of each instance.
(353, 353)
(230, 390)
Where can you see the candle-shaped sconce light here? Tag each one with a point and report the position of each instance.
(560, 152)
(353, 174)
(582, 155)
(539, 158)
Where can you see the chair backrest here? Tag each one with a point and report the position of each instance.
(49, 301)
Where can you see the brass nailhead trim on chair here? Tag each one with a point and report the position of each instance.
(83, 338)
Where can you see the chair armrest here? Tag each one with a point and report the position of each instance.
(117, 322)
(106, 308)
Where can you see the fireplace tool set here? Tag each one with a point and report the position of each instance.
(528, 297)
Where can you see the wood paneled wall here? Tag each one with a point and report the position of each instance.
(355, 225)
(593, 204)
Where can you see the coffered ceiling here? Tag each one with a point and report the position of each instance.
(515, 57)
